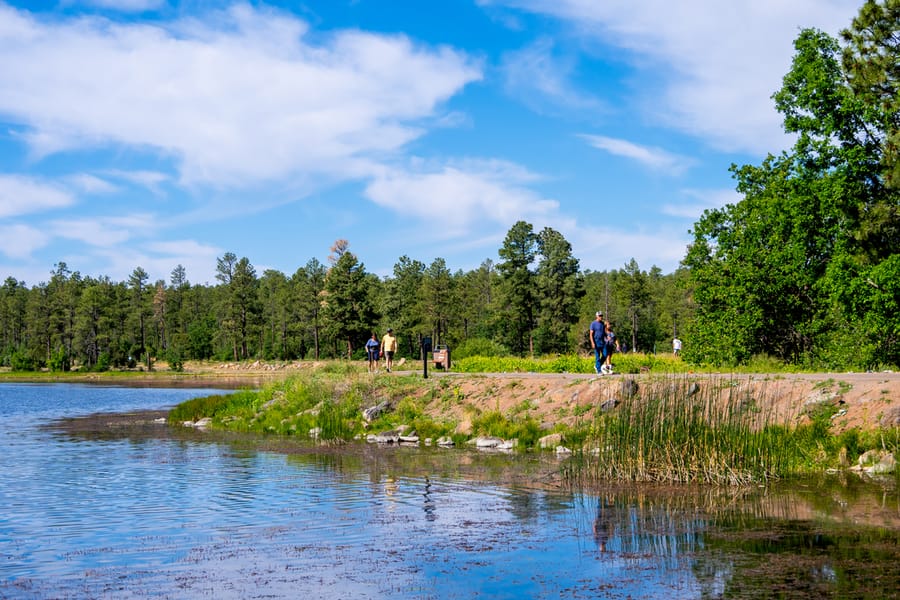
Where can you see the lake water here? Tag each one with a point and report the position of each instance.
(159, 513)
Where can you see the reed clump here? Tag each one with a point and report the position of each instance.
(673, 431)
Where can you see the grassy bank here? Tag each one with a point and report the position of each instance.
(629, 362)
(669, 432)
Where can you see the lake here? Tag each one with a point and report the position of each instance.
(111, 511)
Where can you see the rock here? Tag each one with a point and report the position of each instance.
(890, 417)
(508, 444)
(629, 388)
(877, 462)
(562, 450)
(550, 441)
(373, 412)
(409, 439)
(819, 397)
(445, 442)
(315, 432)
(386, 437)
(487, 442)
(609, 404)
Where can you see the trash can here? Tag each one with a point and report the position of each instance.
(441, 357)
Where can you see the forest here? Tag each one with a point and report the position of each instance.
(803, 269)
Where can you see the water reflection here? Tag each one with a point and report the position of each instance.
(98, 511)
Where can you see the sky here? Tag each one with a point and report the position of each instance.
(158, 133)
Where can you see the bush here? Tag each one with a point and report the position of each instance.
(103, 362)
(59, 361)
(22, 361)
(478, 347)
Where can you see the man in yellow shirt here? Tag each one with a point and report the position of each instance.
(388, 347)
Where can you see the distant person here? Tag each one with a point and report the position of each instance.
(388, 347)
(372, 351)
(597, 333)
(612, 345)
(676, 346)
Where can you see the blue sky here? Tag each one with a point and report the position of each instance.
(155, 133)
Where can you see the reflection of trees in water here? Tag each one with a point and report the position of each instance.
(805, 538)
(753, 543)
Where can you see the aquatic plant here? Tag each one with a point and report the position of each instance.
(677, 433)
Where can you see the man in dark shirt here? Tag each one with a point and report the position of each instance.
(598, 342)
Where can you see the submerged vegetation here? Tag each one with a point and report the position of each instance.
(670, 431)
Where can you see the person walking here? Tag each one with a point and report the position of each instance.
(676, 346)
(372, 351)
(388, 347)
(597, 334)
(612, 345)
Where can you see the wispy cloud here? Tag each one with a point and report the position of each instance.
(654, 158)
(717, 63)
(543, 80)
(238, 98)
(699, 201)
(19, 241)
(103, 231)
(462, 196)
(21, 195)
(122, 5)
(91, 184)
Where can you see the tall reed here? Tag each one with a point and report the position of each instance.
(674, 431)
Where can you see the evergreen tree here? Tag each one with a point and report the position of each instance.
(518, 286)
(348, 312)
(560, 288)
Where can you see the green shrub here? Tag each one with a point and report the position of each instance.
(20, 360)
(478, 347)
(59, 361)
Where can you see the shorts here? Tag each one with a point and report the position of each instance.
(389, 354)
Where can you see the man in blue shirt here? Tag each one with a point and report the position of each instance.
(598, 342)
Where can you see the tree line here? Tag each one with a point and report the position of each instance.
(534, 301)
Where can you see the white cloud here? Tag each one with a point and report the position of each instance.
(701, 200)
(462, 196)
(126, 5)
(103, 231)
(718, 63)
(655, 158)
(537, 77)
(601, 248)
(240, 97)
(19, 241)
(22, 195)
(91, 184)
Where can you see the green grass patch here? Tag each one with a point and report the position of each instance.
(668, 435)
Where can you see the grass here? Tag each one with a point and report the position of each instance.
(629, 362)
(671, 436)
(327, 400)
